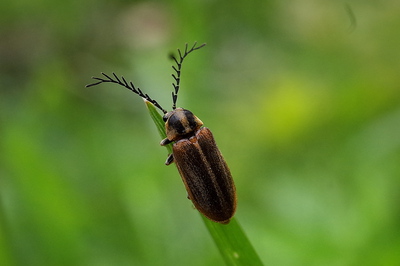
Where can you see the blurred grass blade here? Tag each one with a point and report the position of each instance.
(232, 243)
(230, 239)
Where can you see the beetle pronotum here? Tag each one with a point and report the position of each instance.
(204, 172)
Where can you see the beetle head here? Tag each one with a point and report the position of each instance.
(181, 123)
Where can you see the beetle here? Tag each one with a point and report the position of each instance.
(203, 170)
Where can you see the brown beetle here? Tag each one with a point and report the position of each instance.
(204, 172)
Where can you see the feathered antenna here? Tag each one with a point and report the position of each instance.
(127, 85)
(121, 81)
(177, 69)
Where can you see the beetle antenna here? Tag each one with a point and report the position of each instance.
(121, 81)
(177, 70)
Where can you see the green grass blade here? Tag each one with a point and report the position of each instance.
(232, 243)
(230, 239)
(158, 121)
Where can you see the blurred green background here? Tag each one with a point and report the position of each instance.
(303, 98)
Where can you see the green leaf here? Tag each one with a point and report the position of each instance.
(232, 243)
(230, 239)
(158, 121)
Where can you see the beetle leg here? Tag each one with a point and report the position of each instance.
(170, 159)
(165, 141)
